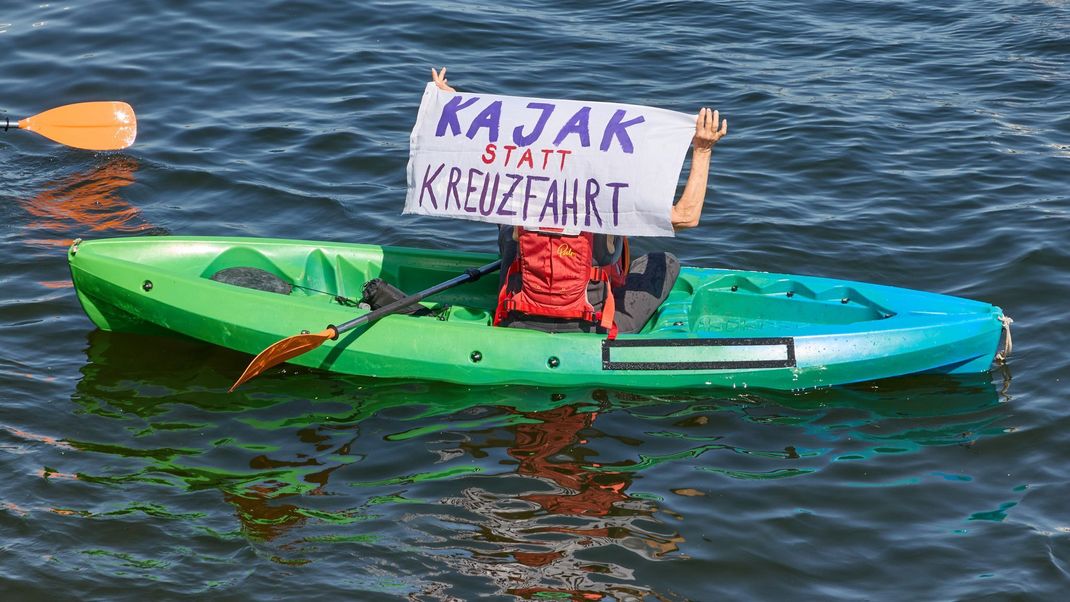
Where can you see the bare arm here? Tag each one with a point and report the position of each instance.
(709, 128)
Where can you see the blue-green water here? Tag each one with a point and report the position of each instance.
(920, 145)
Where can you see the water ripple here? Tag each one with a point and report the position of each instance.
(921, 145)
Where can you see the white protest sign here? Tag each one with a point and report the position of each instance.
(591, 166)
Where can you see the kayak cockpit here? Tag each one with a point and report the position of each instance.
(333, 275)
(756, 303)
(731, 303)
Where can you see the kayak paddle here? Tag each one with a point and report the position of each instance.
(104, 125)
(296, 345)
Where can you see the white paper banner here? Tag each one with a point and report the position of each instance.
(592, 166)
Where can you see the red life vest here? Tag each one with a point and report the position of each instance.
(555, 269)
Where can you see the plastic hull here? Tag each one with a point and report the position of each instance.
(718, 327)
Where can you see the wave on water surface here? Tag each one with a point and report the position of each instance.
(914, 145)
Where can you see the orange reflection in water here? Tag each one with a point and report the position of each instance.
(260, 507)
(538, 555)
(85, 202)
(28, 436)
(261, 513)
(538, 443)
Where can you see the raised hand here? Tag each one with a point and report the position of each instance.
(709, 128)
(439, 77)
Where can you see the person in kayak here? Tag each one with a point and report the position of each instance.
(638, 287)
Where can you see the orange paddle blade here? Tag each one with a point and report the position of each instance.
(285, 349)
(108, 125)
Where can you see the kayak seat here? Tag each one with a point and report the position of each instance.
(253, 278)
(379, 293)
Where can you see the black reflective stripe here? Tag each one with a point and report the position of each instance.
(787, 342)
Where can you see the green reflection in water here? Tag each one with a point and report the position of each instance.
(419, 477)
(646, 462)
(902, 482)
(492, 422)
(995, 515)
(953, 477)
(127, 559)
(161, 455)
(168, 426)
(390, 499)
(687, 436)
(780, 473)
(341, 539)
(155, 511)
(285, 457)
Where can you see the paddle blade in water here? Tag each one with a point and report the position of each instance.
(108, 125)
(285, 349)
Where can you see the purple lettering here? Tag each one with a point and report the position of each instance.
(576, 195)
(579, 125)
(470, 189)
(426, 187)
(527, 140)
(566, 205)
(619, 129)
(489, 118)
(451, 187)
(517, 179)
(527, 192)
(550, 202)
(488, 209)
(616, 186)
(449, 115)
(591, 195)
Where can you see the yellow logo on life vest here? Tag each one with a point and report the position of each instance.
(563, 250)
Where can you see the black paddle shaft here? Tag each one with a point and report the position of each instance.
(469, 275)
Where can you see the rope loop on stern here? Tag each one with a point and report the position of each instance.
(1008, 344)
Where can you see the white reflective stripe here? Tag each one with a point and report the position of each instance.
(694, 354)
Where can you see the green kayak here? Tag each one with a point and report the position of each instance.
(724, 328)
